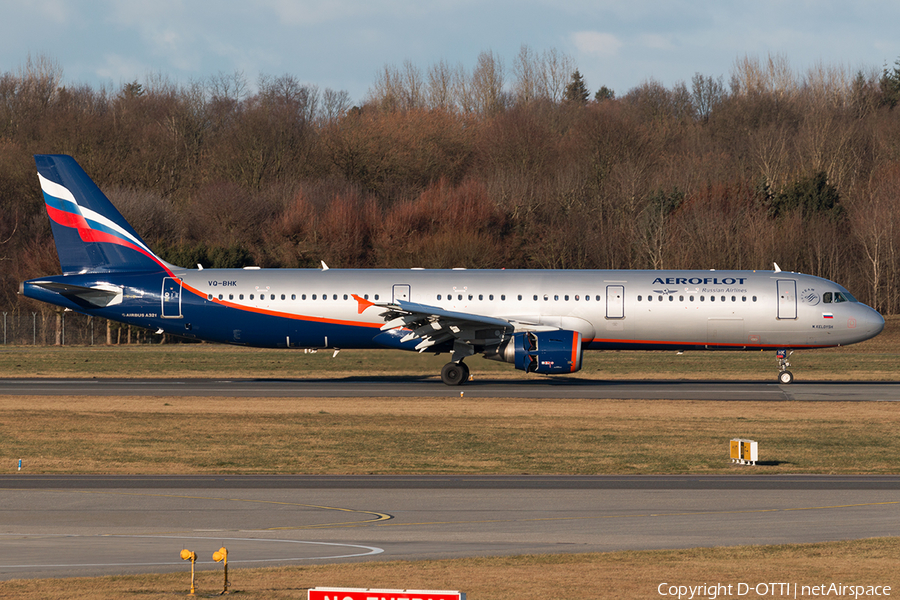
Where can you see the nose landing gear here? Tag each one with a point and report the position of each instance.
(784, 376)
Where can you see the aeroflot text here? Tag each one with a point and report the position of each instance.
(699, 281)
(772, 590)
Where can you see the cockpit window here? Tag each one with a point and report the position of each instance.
(829, 297)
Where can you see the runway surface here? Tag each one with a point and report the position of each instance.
(498, 388)
(61, 526)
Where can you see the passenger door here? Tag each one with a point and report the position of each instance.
(787, 299)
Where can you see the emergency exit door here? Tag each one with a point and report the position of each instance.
(615, 302)
(401, 292)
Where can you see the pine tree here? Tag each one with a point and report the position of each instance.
(577, 91)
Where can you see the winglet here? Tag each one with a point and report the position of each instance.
(363, 303)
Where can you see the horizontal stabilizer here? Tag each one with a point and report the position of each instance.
(91, 296)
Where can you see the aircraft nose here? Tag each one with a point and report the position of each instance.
(869, 322)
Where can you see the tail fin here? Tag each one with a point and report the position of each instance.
(91, 235)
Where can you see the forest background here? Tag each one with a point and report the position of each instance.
(516, 166)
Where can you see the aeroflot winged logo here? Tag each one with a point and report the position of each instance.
(91, 226)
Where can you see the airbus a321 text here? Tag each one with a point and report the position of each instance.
(539, 320)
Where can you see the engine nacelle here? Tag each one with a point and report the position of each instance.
(542, 351)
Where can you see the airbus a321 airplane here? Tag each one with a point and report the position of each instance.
(539, 320)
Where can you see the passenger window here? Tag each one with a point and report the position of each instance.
(459, 296)
(503, 297)
(723, 298)
(681, 298)
(376, 296)
(671, 298)
(535, 297)
(220, 296)
(439, 296)
(334, 297)
(711, 298)
(577, 297)
(754, 298)
(345, 296)
(660, 298)
(640, 298)
(733, 299)
(702, 298)
(598, 297)
(470, 296)
(491, 297)
(313, 297)
(251, 296)
(293, 296)
(209, 296)
(303, 297)
(241, 297)
(567, 297)
(555, 297)
(692, 298)
(481, 296)
(231, 296)
(743, 298)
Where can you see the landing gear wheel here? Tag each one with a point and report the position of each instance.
(785, 377)
(454, 373)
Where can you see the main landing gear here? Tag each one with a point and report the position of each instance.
(784, 376)
(455, 373)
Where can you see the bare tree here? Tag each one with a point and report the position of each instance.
(526, 69)
(439, 90)
(335, 104)
(487, 84)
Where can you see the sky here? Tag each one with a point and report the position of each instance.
(344, 44)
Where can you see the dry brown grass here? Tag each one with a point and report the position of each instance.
(627, 575)
(440, 435)
(874, 360)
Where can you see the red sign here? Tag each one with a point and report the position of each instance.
(376, 594)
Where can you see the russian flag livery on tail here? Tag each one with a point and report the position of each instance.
(90, 234)
(541, 321)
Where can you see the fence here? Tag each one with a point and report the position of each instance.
(69, 329)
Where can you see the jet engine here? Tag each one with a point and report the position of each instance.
(542, 351)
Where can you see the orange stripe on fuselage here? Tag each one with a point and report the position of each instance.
(275, 313)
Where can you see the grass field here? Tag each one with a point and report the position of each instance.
(877, 359)
(625, 575)
(440, 435)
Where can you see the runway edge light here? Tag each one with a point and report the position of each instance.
(221, 555)
(191, 556)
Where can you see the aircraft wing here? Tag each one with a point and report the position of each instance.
(434, 325)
